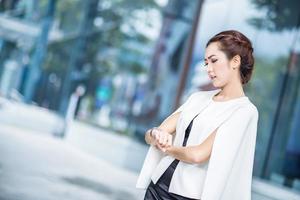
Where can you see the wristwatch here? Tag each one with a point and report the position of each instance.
(152, 130)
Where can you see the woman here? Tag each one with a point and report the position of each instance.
(205, 149)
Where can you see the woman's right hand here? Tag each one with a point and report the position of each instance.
(162, 139)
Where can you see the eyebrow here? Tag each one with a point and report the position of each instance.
(209, 57)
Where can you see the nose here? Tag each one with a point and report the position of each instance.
(208, 68)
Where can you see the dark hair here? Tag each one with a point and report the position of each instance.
(234, 43)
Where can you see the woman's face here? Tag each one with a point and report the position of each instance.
(218, 66)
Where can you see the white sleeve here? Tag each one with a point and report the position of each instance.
(185, 103)
(227, 144)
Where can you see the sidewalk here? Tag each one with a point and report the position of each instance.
(35, 166)
(115, 148)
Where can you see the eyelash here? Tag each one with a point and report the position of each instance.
(213, 61)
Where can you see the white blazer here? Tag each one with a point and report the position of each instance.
(228, 173)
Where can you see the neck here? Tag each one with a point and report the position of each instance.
(231, 91)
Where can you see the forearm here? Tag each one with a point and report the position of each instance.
(194, 154)
(189, 154)
(169, 124)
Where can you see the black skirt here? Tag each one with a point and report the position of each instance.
(159, 191)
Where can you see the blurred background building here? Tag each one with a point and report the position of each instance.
(123, 66)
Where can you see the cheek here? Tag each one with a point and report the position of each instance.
(223, 74)
(222, 70)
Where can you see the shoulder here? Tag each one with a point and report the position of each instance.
(253, 108)
(248, 110)
(201, 94)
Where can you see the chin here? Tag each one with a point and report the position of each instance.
(218, 84)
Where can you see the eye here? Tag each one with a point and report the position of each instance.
(213, 61)
(205, 64)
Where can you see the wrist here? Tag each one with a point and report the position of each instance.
(168, 149)
(148, 137)
(152, 131)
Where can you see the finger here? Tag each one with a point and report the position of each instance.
(165, 139)
(170, 138)
(159, 146)
(161, 138)
(162, 148)
(155, 134)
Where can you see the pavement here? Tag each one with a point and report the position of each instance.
(115, 148)
(35, 166)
